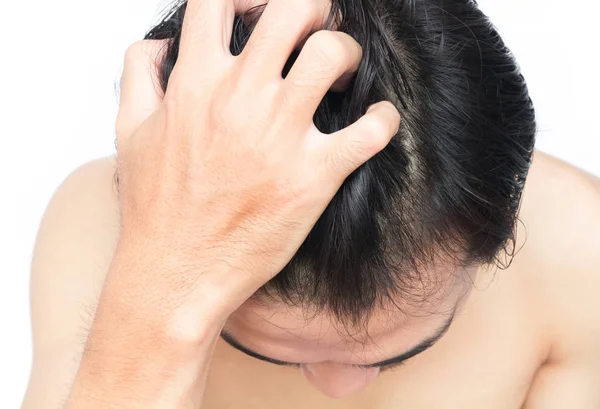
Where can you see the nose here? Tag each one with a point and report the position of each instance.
(336, 380)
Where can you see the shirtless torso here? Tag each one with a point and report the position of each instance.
(527, 337)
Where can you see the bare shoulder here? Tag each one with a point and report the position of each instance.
(73, 250)
(560, 230)
(559, 240)
(561, 212)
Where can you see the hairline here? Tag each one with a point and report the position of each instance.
(422, 346)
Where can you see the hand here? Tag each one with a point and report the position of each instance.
(222, 180)
(229, 173)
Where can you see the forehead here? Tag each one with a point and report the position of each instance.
(262, 325)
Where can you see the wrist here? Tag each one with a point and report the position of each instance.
(144, 369)
(145, 348)
(175, 287)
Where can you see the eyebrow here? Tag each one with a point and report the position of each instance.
(421, 347)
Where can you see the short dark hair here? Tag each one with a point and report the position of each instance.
(448, 184)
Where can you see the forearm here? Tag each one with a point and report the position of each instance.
(140, 382)
(142, 351)
(141, 373)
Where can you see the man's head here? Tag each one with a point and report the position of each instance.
(335, 357)
(392, 256)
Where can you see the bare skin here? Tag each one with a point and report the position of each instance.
(528, 337)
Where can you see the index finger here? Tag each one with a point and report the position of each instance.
(140, 91)
(207, 27)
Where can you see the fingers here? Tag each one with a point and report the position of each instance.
(207, 28)
(283, 25)
(327, 57)
(140, 93)
(348, 149)
(203, 35)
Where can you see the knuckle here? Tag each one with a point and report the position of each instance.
(177, 98)
(135, 50)
(353, 47)
(374, 127)
(145, 50)
(326, 47)
(304, 11)
(374, 132)
(390, 122)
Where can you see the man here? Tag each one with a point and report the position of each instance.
(213, 202)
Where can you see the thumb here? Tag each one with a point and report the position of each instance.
(351, 147)
(140, 93)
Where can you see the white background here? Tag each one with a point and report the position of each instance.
(59, 64)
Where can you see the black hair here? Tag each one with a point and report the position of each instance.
(448, 185)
